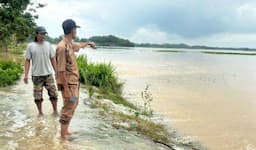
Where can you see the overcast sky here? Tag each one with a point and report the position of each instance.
(228, 23)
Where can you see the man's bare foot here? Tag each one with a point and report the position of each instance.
(71, 133)
(64, 139)
(40, 114)
(55, 114)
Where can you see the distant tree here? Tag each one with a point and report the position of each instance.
(111, 40)
(17, 22)
(83, 40)
(54, 40)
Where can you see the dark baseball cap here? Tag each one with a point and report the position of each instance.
(68, 25)
(40, 29)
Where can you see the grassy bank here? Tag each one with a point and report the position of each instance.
(131, 121)
(142, 126)
(11, 64)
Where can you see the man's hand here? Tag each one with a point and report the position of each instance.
(25, 80)
(26, 68)
(92, 45)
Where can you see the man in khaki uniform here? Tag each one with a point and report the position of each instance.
(68, 73)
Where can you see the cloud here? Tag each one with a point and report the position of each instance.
(150, 34)
(227, 40)
(57, 11)
(169, 21)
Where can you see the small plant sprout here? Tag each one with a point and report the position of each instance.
(147, 98)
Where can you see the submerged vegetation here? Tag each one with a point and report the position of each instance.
(186, 46)
(229, 53)
(170, 51)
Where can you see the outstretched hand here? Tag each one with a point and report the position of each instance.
(92, 45)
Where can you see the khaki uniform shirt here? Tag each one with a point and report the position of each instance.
(66, 61)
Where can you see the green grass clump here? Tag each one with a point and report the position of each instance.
(100, 75)
(10, 72)
(103, 77)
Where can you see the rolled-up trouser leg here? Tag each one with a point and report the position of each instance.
(38, 88)
(51, 88)
(69, 106)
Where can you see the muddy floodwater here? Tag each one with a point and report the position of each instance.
(209, 97)
(22, 129)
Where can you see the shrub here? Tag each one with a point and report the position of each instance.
(9, 72)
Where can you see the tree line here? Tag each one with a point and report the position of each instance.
(109, 40)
